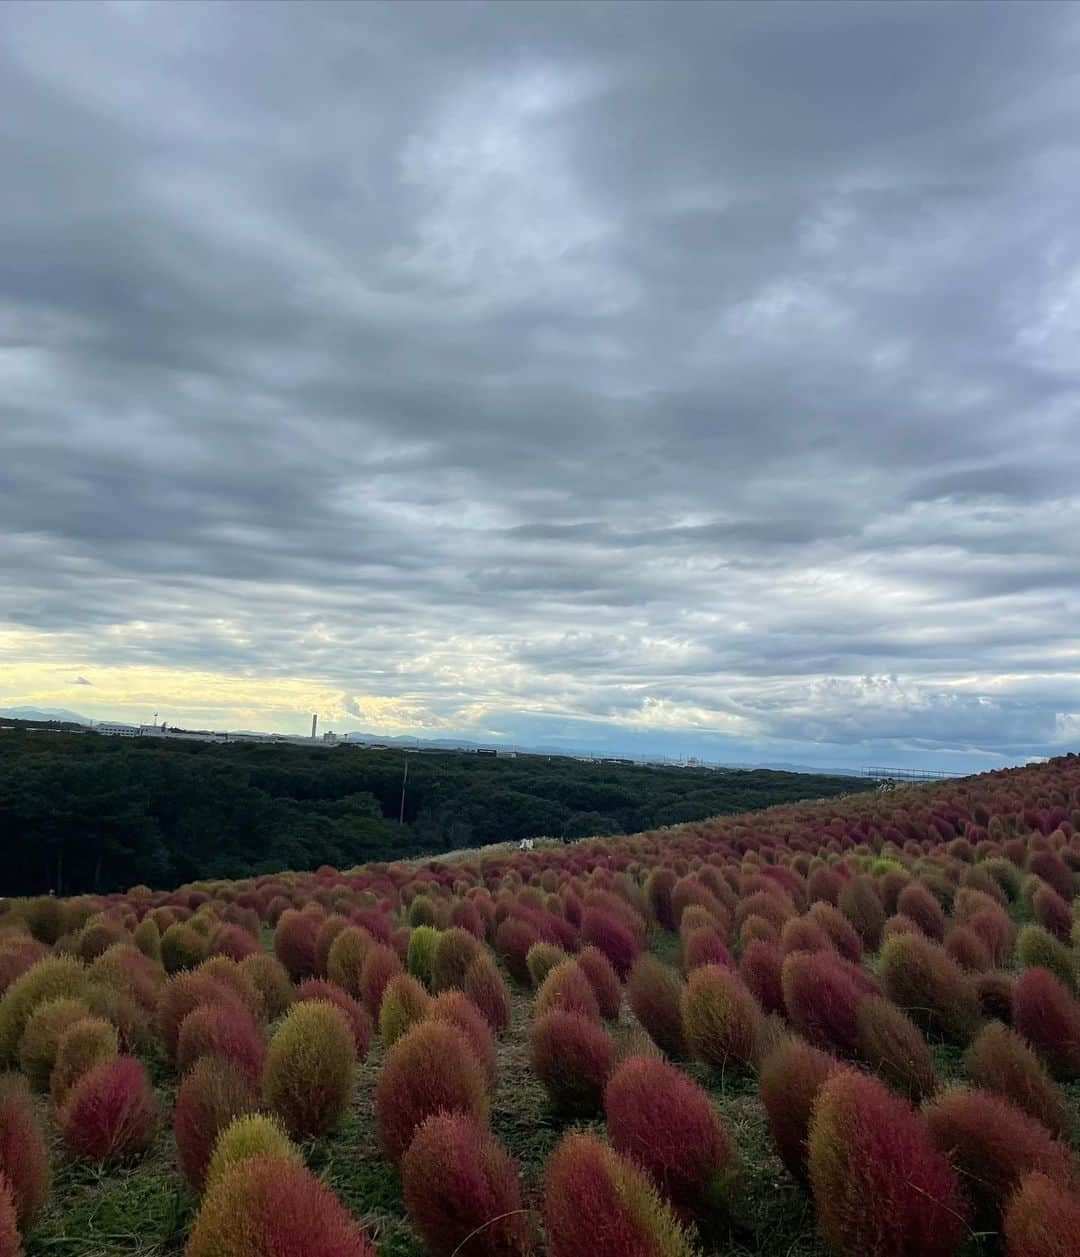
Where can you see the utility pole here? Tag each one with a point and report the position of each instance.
(404, 779)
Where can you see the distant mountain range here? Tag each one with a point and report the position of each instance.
(44, 713)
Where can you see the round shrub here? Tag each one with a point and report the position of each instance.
(567, 987)
(225, 1030)
(892, 1045)
(1038, 948)
(41, 1039)
(430, 1069)
(804, 934)
(324, 940)
(182, 947)
(879, 1184)
(1049, 1018)
(296, 943)
(916, 902)
(603, 979)
(308, 1077)
(271, 979)
(404, 1003)
(457, 1010)
(359, 1021)
(997, 933)
(250, 1135)
(999, 1061)
(455, 950)
(460, 1185)
(421, 956)
(346, 958)
(993, 1145)
(485, 987)
(381, 964)
(920, 977)
(822, 994)
(596, 1201)
(572, 1057)
(968, 949)
(789, 1079)
(184, 993)
(540, 959)
(1052, 912)
(859, 902)
(89, 1042)
(110, 1113)
(229, 973)
(839, 929)
(1042, 1219)
(994, 991)
(210, 1097)
(272, 1206)
(52, 978)
(654, 992)
(760, 967)
(720, 1019)
(513, 938)
(663, 1121)
(610, 935)
(24, 1161)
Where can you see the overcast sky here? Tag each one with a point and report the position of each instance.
(690, 378)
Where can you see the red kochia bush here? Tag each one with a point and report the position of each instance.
(879, 1184)
(654, 992)
(1042, 1219)
(457, 1010)
(822, 993)
(110, 1112)
(603, 979)
(1054, 871)
(720, 1019)
(839, 929)
(1049, 1018)
(993, 1145)
(24, 1161)
(789, 1079)
(606, 932)
(485, 987)
(296, 942)
(1052, 912)
(184, 993)
(597, 1202)
(916, 902)
(663, 1121)
(460, 1185)
(804, 934)
(567, 987)
(513, 939)
(211, 1095)
(328, 992)
(430, 1069)
(274, 1207)
(705, 946)
(572, 1056)
(760, 966)
(380, 965)
(221, 1030)
(859, 902)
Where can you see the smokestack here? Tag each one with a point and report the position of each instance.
(314, 725)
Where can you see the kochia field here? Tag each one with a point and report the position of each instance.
(847, 1026)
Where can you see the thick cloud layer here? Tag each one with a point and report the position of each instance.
(680, 377)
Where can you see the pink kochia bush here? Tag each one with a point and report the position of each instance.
(822, 993)
(273, 1207)
(572, 1056)
(598, 1202)
(210, 1097)
(1049, 1018)
(789, 1080)
(430, 1069)
(603, 979)
(879, 1184)
(110, 1113)
(663, 1121)
(485, 987)
(221, 1030)
(611, 936)
(460, 1185)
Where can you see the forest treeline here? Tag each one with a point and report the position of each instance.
(80, 812)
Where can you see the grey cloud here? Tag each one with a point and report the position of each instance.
(691, 366)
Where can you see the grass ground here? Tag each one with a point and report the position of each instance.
(144, 1209)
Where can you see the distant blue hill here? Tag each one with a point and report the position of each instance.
(44, 713)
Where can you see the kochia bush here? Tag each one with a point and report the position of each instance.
(329, 993)
(271, 979)
(184, 993)
(609, 934)
(272, 1206)
(90, 1041)
(110, 1112)
(1038, 948)
(1049, 1018)
(485, 987)
(24, 1161)
(720, 1019)
(572, 1056)
(51, 978)
(308, 1077)
(879, 1184)
(891, 1044)
(663, 1121)
(221, 1030)
(404, 1003)
(859, 902)
(455, 950)
(567, 987)
(789, 1079)
(250, 1135)
(603, 979)
(429, 1070)
(822, 993)
(1042, 1219)
(999, 1061)
(346, 958)
(10, 1243)
(210, 1097)
(457, 1010)
(381, 964)
(296, 943)
(920, 977)
(993, 1145)
(460, 1185)
(760, 967)
(41, 1039)
(654, 992)
(596, 1201)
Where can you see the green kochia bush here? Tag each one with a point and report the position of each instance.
(1038, 948)
(920, 977)
(422, 944)
(720, 1019)
(308, 1076)
(249, 1135)
(49, 979)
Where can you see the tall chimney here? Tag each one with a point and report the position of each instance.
(314, 725)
